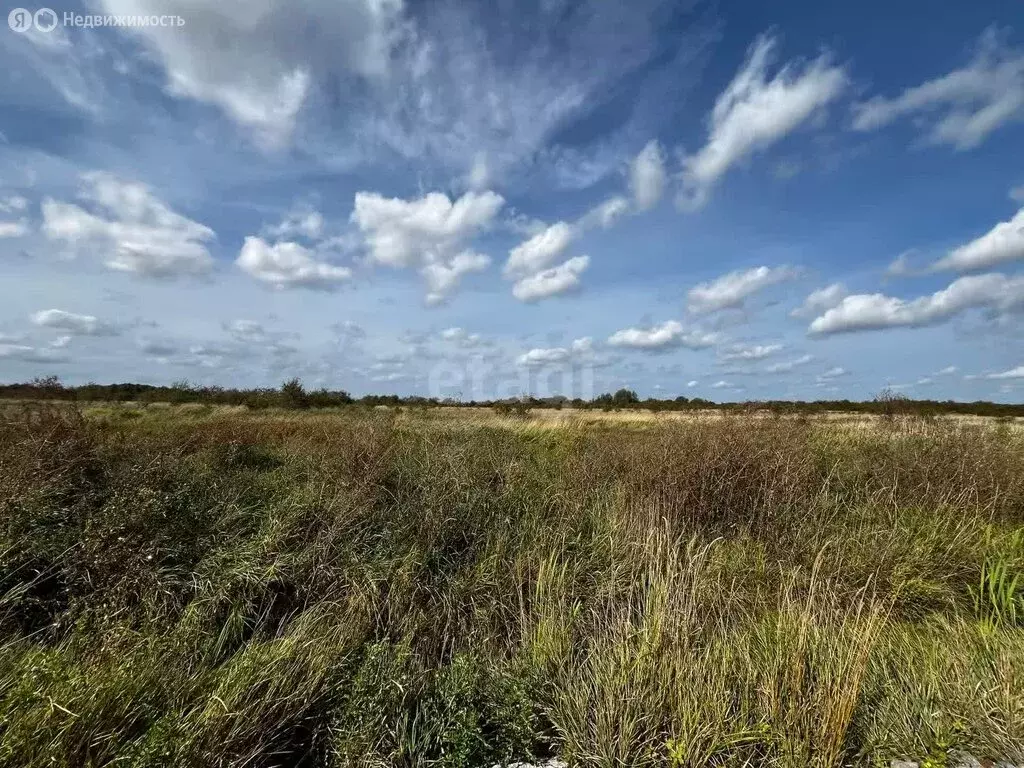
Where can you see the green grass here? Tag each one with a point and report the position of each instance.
(366, 588)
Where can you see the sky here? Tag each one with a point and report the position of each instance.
(735, 201)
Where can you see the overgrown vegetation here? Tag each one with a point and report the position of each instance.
(193, 586)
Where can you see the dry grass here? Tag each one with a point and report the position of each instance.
(199, 586)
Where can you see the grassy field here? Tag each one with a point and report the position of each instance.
(203, 587)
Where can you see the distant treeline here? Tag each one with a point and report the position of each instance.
(292, 394)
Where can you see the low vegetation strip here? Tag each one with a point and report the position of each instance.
(292, 395)
(362, 587)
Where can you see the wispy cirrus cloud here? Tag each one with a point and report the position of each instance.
(963, 107)
(756, 111)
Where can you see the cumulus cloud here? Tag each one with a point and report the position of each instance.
(580, 351)
(136, 232)
(863, 312)
(69, 322)
(820, 300)
(551, 282)
(403, 233)
(528, 263)
(732, 289)
(669, 334)
(540, 357)
(739, 352)
(754, 112)
(1017, 194)
(430, 232)
(288, 265)
(647, 176)
(462, 338)
(1001, 244)
(962, 107)
(443, 279)
(540, 250)
(788, 365)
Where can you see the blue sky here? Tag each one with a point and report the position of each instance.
(477, 199)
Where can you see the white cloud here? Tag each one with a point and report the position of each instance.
(262, 79)
(502, 80)
(301, 221)
(551, 282)
(288, 265)
(430, 233)
(756, 352)
(479, 176)
(462, 338)
(1001, 244)
(732, 289)
(1013, 373)
(136, 231)
(833, 373)
(540, 250)
(1017, 194)
(580, 351)
(69, 322)
(13, 204)
(948, 371)
(29, 354)
(789, 365)
(876, 311)
(960, 108)
(539, 357)
(403, 233)
(693, 383)
(671, 333)
(17, 228)
(755, 112)
(820, 300)
(605, 214)
(443, 279)
(647, 176)
(901, 266)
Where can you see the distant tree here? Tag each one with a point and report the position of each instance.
(891, 404)
(293, 395)
(48, 387)
(625, 397)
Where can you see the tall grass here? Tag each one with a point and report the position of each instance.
(361, 588)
